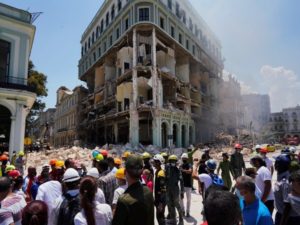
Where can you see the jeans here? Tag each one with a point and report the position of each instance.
(188, 193)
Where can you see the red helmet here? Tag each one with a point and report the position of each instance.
(14, 174)
(238, 146)
(104, 152)
(263, 150)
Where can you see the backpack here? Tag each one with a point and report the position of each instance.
(216, 180)
(68, 210)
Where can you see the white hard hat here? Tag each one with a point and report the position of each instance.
(158, 157)
(293, 149)
(70, 175)
(257, 147)
(184, 156)
(93, 172)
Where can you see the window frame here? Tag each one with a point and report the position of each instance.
(139, 15)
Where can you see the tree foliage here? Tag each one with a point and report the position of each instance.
(37, 81)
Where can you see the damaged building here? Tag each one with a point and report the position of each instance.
(153, 71)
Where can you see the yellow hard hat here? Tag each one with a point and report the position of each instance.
(99, 157)
(21, 153)
(164, 154)
(146, 155)
(120, 174)
(126, 154)
(59, 164)
(173, 157)
(9, 168)
(117, 161)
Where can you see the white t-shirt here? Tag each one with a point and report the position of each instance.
(99, 197)
(269, 163)
(263, 174)
(103, 215)
(119, 191)
(206, 179)
(48, 193)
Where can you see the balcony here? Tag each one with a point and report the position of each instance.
(15, 83)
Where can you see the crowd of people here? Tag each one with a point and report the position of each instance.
(130, 189)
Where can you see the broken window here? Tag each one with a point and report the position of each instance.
(144, 14)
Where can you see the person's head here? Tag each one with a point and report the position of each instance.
(263, 152)
(102, 165)
(238, 147)
(251, 172)
(18, 182)
(147, 174)
(184, 158)
(146, 158)
(222, 208)
(21, 154)
(213, 188)
(111, 162)
(295, 180)
(45, 171)
(69, 163)
(282, 163)
(31, 172)
(120, 176)
(206, 150)
(88, 189)
(165, 156)
(246, 187)
(172, 160)
(133, 168)
(93, 172)
(126, 155)
(257, 161)
(158, 161)
(211, 165)
(117, 162)
(35, 213)
(52, 163)
(71, 179)
(225, 156)
(104, 152)
(257, 148)
(5, 187)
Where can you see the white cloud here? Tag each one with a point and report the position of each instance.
(283, 86)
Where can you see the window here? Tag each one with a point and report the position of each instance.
(194, 51)
(170, 4)
(180, 38)
(177, 10)
(89, 45)
(183, 17)
(162, 23)
(93, 37)
(99, 52)
(144, 14)
(4, 59)
(172, 31)
(82, 49)
(94, 55)
(97, 32)
(101, 26)
(126, 24)
(85, 47)
(107, 19)
(104, 46)
(112, 12)
(191, 24)
(187, 44)
(119, 5)
(118, 33)
(110, 40)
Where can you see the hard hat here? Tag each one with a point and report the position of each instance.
(120, 174)
(52, 162)
(283, 160)
(173, 157)
(263, 150)
(93, 172)
(117, 161)
(104, 152)
(238, 146)
(184, 156)
(286, 151)
(126, 154)
(211, 164)
(159, 158)
(14, 174)
(257, 147)
(293, 149)
(99, 157)
(3, 158)
(59, 164)
(9, 168)
(21, 153)
(146, 155)
(164, 154)
(95, 153)
(70, 175)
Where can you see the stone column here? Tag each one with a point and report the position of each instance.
(19, 130)
(12, 135)
(155, 93)
(134, 115)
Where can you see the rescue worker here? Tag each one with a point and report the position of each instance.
(205, 156)
(174, 192)
(269, 163)
(147, 165)
(20, 162)
(165, 156)
(237, 161)
(160, 189)
(187, 170)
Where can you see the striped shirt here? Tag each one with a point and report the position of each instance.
(6, 217)
(13, 204)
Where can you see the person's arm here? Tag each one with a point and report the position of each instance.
(267, 190)
(285, 215)
(181, 184)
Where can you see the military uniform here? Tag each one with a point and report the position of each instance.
(237, 164)
(173, 176)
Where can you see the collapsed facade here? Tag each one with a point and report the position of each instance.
(153, 71)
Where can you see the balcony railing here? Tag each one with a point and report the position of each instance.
(15, 83)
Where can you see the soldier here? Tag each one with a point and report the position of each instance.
(173, 176)
(237, 161)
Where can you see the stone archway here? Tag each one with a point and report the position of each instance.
(5, 126)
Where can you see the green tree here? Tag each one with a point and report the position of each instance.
(37, 81)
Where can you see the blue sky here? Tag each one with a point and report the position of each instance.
(260, 39)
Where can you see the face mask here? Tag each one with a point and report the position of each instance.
(184, 161)
(173, 164)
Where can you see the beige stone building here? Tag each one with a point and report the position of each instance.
(153, 71)
(68, 115)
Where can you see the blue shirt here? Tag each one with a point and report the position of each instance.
(256, 213)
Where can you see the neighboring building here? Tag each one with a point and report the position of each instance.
(16, 97)
(68, 115)
(42, 128)
(257, 111)
(285, 125)
(153, 70)
(231, 108)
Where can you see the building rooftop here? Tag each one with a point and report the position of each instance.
(14, 13)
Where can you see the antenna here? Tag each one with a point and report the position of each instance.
(34, 16)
